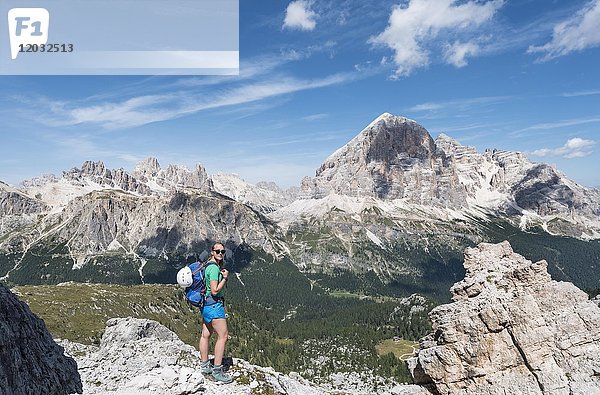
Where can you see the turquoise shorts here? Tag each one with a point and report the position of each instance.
(213, 311)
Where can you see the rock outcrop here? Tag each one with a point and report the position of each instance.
(511, 329)
(30, 361)
(138, 356)
(14, 202)
(179, 222)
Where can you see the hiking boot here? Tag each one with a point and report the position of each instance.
(221, 376)
(206, 367)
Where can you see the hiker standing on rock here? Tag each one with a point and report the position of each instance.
(213, 314)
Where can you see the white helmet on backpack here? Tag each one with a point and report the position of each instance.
(184, 277)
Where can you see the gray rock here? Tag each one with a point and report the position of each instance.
(99, 174)
(138, 356)
(177, 223)
(392, 158)
(148, 168)
(511, 329)
(14, 202)
(30, 361)
(263, 197)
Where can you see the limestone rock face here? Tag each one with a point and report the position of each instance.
(395, 158)
(138, 356)
(172, 178)
(98, 173)
(264, 197)
(543, 191)
(13, 202)
(511, 329)
(30, 361)
(179, 223)
(17, 210)
(148, 168)
(392, 158)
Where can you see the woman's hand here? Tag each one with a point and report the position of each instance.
(225, 273)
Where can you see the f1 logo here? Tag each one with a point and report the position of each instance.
(27, 26)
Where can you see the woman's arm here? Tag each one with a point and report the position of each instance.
(217, 286)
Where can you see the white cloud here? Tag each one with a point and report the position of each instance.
(573, 148)
(463, 104)
(143, 110)
(84, 147)
(456, 53)
(574, 34)
(298, 15)
(581, 93)
(556, 125)
(427, 107)
(414, 27)
(314, 117)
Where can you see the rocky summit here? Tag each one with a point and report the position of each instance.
(30, 361)
(511, 330)
(396, 158)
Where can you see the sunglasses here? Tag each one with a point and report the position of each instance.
(219, 251)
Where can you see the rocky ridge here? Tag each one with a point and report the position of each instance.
(511, 329)
(143, 357)
(153, 214)
(103, 224)
(264, 197)
(149, 179)
(30, 361)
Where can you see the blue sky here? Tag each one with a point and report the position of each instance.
(515, 75)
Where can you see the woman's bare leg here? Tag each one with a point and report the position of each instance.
(219, 325)
(207, 330)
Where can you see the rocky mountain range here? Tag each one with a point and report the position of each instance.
(395, 158)
(393, 196)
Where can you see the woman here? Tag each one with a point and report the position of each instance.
(213, 314)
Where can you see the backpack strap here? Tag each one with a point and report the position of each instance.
(200, 266)
(210, 299)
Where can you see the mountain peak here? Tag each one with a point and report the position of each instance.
(451, 146)
(387, 117)
(445, 137)
(148, 167)
(369, 164)
(387, 136)
(93, 168)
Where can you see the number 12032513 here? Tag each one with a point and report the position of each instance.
(46, 48)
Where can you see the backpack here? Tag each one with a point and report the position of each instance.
(196, 293)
